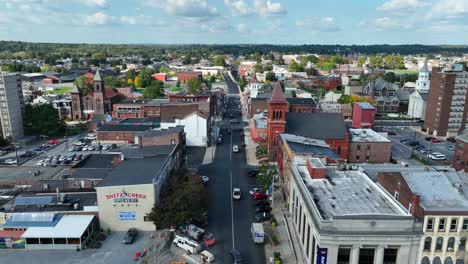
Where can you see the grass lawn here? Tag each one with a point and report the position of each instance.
(62, 90)
(176, 89)
(402, 71)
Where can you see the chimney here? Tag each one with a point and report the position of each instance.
(316, 168)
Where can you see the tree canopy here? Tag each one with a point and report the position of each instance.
(194, 85)
(85, 84)
(42, 119)
(155, 90)
(220, 61)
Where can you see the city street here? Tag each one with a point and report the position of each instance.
(230, 219)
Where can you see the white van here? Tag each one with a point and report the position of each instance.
(187, 244)
(235, 148)
(258, 236)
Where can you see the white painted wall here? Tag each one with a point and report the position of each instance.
(195, 127)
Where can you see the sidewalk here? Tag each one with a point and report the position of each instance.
(286, 247)
(210, 153)
(250, 148)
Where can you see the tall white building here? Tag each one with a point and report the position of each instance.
(11, 106)
(418, 99)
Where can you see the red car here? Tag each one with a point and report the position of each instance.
(435, 140)
(53, 142)
(259, 196)
(140, 254)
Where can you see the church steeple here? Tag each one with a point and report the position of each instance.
(425, 68)
(99, 93)
(423, 82)
(277, 108)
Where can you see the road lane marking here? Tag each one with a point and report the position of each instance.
(232, 211)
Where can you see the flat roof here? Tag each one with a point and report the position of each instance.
(437, 191)
(463, 136)
(346, 193)
(365, 105)
(55, 218)
(366, 135)
(303, 145)
(142, 121)
(70, 226)
(123, 128)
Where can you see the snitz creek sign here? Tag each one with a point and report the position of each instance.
(125, 197)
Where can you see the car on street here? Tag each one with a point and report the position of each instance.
(261, 209)
(236, 257)
(413, 143)
(130, 236)
(254, 190)
(435, 140)
(11, 162)
(259, 196)
(428, 138)
(72, 148)
(205, 179)
(261, 203)
(252, 173)
(38, 149)
(41, 163)
(236, 193)
(418, 147)
(451, 139)
(52, 142)
(262, 217)
(450, 147)
(423, 151)
(437, 156)
(405, 141)
(27, 154)
(235, 148)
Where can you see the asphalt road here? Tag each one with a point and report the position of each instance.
(230, 220)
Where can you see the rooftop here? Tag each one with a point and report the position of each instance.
(141, 121)
(314, 147)
(260, 120)
(159, 132)
(347, 193)
(439, 191)
(365, 105)
(316, 125)
(70, 226)
(463, 136)
(113, 128)
(366, 135)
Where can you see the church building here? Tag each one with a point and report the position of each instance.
(418, 99)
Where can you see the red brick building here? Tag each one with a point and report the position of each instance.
(183, 77)
(460, 156)
(160, 137)
(363, 115)
(160, 77)
(138, 108)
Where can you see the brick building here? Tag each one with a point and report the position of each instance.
(363, 115)
(439, 201)
(447, 103)
(183, 77)
(138, 108)
(260, 103)
(160, 137)
(111, 133)
(366, 145)
(460, 155)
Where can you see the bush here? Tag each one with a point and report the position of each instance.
(275, 240)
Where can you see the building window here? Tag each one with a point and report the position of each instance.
(358, 148)
(453, 225)
(410, 206)
(390, 255)
(441, 224)
(439, 243)
(465, 224)
(451, 244)
(462, 243)
(343, 255)
(396, 195)
(358, 157)
(366, 255)
(427, 244)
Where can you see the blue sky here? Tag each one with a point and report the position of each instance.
(236, 21)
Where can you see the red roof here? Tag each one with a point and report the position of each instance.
(11, 234)
(111, 93)
(277, 95)
(89, 75)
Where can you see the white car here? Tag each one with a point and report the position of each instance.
(11, 161)
(254, 190)
(79, 143)
(205, 179)
(437, 156)
(236, 193)
(41, 163)
(235, 148)
(71, 149)
(91, 137)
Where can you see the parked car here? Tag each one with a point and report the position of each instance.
(235, 148)
(130, 236)
(78, 148)
(254, 190)
(236, 257)
(41, 163)
(71, 148)
(105, 147)
(450, 147)
(451, 139)
(252, 173)
(52, 142)
(405, 141)
(259, 196)
(79, 143)
(262, 217)
(261, 203)
(27, 154)
(91, 137)
(428, 138)
(261, 209)
(11, 162)
(391, 133)
(413, 143)
(418, 147)
(78, 157)
(437, 156)
(423, 151)
(205, 179)
(435, 140)
(236, 194)
(200, 221)
(219, 140)
(38, 149)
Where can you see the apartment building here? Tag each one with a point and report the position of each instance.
(438, 200)
(11, 106)
(447, 105)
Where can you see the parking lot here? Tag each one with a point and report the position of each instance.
(112, 251)
(403, 152)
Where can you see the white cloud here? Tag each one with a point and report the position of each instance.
(218, 25)
(184, 8)
(238, 8)
(398, 5)
(269, 8)
(448, 9)
(242, 28)
(323, 24)
(95, 3)
(98, 18)
(390, 23)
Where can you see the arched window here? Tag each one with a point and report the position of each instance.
(462, 243)
(451, 244)
(459, 261)
(97, 87)
(437, 260)
(439, 243)
(425, 260)
(427, 243)
(448, 260)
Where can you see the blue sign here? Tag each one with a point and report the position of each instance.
(270, 188)
(322, 255)
(127, 216)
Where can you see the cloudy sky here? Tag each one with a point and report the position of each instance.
(236, 21)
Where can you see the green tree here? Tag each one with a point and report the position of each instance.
(85, 84)
(42, 119)
(258, 68)
(155, 90)
(305, 59)
(99, 57)
(336, 59)
(220, 61)
(326, 66)
(361, 61)
(131, 74)
(390, 77)
(295, 67)
(163, 69)
(394, 62)
(178, 84)
(270, 76)
(144, 78)
(293, 94)
(376, 61)
(265, 177)
(242, 82)
(194, 85)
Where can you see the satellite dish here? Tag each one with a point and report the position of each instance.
(108, 118)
